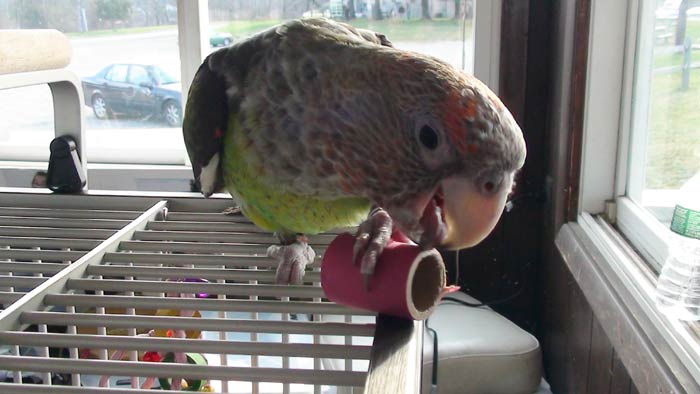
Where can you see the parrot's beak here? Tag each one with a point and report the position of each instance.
(460, 214)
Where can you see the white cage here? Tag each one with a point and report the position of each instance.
(174, 277)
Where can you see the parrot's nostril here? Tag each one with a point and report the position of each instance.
(491, 184)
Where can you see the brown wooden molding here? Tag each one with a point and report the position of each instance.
(577, 106)
(513, 57)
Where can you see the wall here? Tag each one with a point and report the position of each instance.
(578, 356)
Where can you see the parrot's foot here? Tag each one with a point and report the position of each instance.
(231, 211)
(293, 259)
(372, 236)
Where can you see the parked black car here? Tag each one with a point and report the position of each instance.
(134, 89)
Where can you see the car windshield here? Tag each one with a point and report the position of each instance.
(162, 77)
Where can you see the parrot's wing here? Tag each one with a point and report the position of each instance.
(204, 125)
(219, 85)
(341, 31)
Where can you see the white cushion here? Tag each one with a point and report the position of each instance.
(480, 351)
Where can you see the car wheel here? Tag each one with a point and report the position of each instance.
(171, 113)
(99, 107)
(227, 42)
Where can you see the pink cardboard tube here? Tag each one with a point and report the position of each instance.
(408, 282)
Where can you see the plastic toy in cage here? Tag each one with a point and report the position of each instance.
(193, 280)
(177, 357)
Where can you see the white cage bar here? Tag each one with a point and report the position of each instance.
(38, 241)
(178, 277)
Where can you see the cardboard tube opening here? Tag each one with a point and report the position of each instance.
(427, 283)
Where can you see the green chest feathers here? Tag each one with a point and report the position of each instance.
(273, 208)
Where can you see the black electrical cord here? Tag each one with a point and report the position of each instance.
(434, 377)
(433, 383)
(509, 207)
(487, 304)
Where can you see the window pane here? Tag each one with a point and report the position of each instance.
(439, 28)
(125, 121)
(126, 110)
(26, 125)
(666, 140)
(139, 75)
(117, 73)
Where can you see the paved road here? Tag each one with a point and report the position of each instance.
(26, 114)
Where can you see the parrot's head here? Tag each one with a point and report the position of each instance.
(464, 149)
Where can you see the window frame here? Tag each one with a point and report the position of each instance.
(616, 98)
(645, 232)
(631, 255)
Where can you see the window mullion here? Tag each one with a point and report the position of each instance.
(193, 41)
(627, 104)
(603, 103)
(487, 41)
(640, 105)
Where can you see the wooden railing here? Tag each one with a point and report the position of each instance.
(396, 358)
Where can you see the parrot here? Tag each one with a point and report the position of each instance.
(314, 125)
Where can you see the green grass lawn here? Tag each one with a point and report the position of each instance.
(126, 30)
(416, 30)
(673, 147)
(693, 32)
(241, 29)
(396, 30)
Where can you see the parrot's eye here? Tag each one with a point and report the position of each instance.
(428, 137)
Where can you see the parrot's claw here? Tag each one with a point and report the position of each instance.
(231, 211)
(372, 236)
(293, 259)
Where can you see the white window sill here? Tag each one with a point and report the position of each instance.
(134, 177)
(660, 202)
(661, 355)
(644, 230)
(139, 145)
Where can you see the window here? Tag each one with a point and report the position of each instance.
(138, 75)
(642, 115)
(105, 38)
(117, 73)
(664, 129)
(132, 127)
(664, 137)
(161, 77)
(641, 143)
(26, 127)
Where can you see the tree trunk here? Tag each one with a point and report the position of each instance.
(377, 10)
(681, 22)
(458, 9)
(425, 9)
(351, 9)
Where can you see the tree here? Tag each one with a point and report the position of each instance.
(425, 9)
(113, 10)
(29, 14)
(351, 10)
(682, 20)
(377, 10)
(458, 9)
